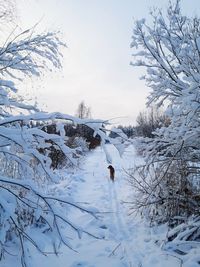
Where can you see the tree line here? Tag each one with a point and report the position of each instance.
(147, 122)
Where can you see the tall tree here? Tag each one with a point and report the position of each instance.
(83, 111)
(169, 49)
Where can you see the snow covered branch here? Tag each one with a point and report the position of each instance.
(28, 207)
(169, 50)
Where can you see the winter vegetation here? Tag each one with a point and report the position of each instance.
(168, 183)
(28, 207)
(56, 198)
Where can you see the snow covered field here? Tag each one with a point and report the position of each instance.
(122, 240)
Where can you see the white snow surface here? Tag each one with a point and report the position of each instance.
(123, 240)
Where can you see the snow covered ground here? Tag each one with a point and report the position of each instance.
(123, 240)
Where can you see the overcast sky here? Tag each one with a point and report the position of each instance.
(96, 65)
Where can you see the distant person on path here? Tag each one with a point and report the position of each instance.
(112, 172)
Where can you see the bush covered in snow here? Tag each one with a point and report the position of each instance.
(168, 184)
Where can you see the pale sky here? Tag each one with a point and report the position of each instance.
(96, 64)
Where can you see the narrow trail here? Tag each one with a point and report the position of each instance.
(123, 241)
(99, 191)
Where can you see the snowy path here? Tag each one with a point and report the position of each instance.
(102, 193)
(125, 241)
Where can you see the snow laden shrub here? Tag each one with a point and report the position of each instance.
(169, 182)
(72, 140)
(81, 144)
(30, 210)
(78, 144)
(165, 191)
